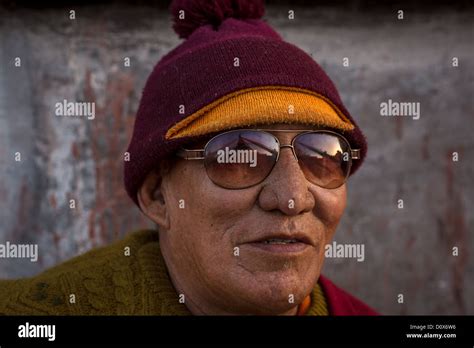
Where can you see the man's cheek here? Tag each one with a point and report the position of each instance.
(330, 204)
(328, 236)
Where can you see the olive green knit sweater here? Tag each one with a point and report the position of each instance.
(128, 277)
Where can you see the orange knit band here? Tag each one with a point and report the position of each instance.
(262, 105)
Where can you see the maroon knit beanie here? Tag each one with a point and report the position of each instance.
(200, 71)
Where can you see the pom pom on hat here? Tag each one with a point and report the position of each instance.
(188, 15)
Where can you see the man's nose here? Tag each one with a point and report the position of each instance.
(286, 188)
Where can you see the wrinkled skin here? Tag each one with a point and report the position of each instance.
(198, 242)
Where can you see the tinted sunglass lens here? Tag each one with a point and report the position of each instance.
(240, 159)
(324, 158)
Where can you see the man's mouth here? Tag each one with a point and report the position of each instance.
(280, 241)
(281, 244)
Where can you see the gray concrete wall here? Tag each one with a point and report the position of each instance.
(407, 251)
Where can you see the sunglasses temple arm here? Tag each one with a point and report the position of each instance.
(355, 153)
(191, 154)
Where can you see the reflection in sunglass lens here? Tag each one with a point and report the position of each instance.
(239, 159)
(324, 158)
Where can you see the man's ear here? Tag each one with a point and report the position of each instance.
(152, 201)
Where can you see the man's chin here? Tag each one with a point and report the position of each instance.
(258, 260)
(277, 304)
(274, 293)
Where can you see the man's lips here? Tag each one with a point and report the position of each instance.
(283, 238)
(281, 243)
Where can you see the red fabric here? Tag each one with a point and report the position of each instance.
(341, 302)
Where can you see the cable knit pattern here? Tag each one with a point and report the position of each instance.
(108, 281)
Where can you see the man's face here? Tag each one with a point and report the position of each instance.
(209, 247)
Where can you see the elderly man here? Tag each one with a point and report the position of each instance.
(240, 155)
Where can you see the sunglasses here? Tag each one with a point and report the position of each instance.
(242, 158)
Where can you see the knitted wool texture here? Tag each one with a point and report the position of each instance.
(268, 104)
